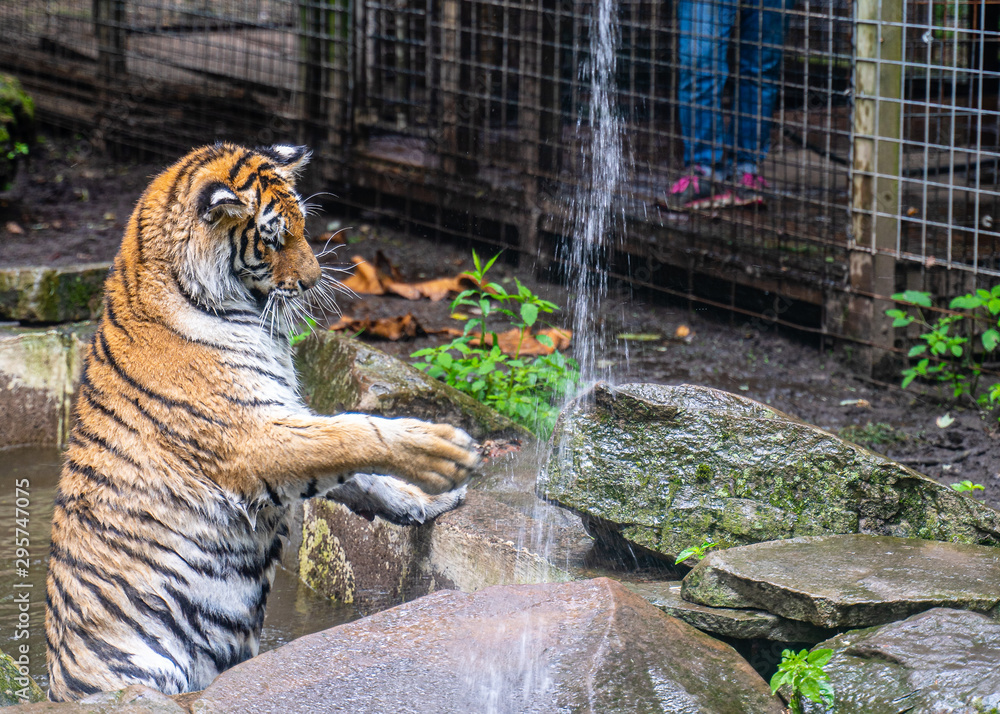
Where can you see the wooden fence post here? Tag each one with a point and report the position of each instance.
(875, 176)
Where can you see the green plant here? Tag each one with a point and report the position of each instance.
(949, 349)
(698, 551)
(525, 388)
(804, 674)
(295, 338)
(20, 149)
(967, 485)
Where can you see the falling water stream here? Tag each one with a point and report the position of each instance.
(584, 256)
(594, 223)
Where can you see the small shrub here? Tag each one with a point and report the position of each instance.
(697, 551)
(967, 485)
(952, 349)
(804, 674)
(527, 389)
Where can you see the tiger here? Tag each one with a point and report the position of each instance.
(191, 441)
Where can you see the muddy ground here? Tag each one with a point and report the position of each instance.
(70, 205)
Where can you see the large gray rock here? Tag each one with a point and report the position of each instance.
(849, 580)
(664, 468)
(44, 294)
(375, 564)
(581, 646)
(938, 661)
(740, 624)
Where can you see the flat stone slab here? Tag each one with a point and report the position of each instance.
(741, 624)
(848, 580)
(941, 660)
(664, 468)
(44, 294)
(581, 646)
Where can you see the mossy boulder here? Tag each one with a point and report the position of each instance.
(16, 686)
(342, 374)
(17, 127)
(664, 468)
(41, 294)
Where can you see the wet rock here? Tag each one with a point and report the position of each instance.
(941, 660)
(39, 372)
(664, 468)
(741, 624)
(581, 646)
(849, 580)
(137, 699)
(17, 127)
(43, 294)
(16, 686)
(341, 374)
(375, 564)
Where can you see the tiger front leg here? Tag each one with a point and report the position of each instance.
(295, 450)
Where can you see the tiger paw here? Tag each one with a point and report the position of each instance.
(394, 500)
(435, 457)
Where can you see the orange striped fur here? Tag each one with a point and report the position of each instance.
(191, 440)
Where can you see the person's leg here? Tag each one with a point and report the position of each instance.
(704, 28)
(762, 30)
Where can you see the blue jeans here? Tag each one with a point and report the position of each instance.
(705, 28)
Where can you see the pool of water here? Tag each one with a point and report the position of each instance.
(28, 478)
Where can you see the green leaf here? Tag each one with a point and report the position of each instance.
(491, 261)
(529, 313)
(810, 689)
(819, 657)
(545, 340)
(966, 302)
(916, 350)
(779, 677)
(914, 296)
(687, 553)
(991, 338)
(993, 305)
(444, 360)
(956, 350)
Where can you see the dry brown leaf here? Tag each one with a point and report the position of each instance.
(383, 277)
(336, 237)
(365, 279)
(529, 347)
(436, 290)
(401, 327)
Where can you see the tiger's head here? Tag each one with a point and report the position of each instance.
(242, 228)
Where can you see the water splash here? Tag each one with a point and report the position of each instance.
(594, 222)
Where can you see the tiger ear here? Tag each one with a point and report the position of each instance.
(288, 160)
(217, 200)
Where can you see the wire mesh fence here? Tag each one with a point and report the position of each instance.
(843, 149)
